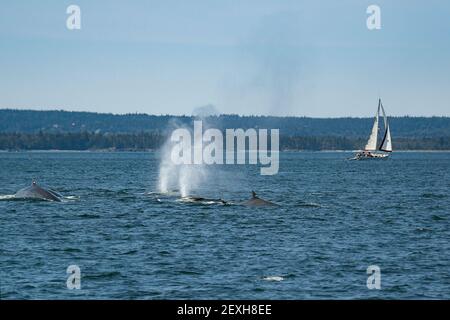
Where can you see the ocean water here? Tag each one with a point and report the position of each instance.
(335, 218)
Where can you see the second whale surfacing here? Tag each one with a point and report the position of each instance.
(256, 201)
(36, 192)
(203, 200)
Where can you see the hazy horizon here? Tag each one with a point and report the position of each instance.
(267, 57)
(221, 114)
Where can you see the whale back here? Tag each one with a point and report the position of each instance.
(255, 201)
(36, 192)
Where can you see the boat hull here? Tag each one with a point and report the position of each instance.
(370, 156)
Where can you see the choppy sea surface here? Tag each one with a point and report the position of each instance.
(335, 219)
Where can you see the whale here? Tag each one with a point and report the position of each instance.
(256, 201)
(37, 192)
(203, 200)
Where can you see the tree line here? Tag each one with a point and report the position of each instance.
(152, 141)
(29, 121)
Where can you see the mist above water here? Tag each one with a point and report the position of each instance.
(184, 178)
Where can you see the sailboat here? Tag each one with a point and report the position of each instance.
(372, 145)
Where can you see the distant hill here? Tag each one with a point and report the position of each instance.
(29, 121)
(62, 130)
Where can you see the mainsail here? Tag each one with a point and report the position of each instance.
(386, 143)
(372, 143)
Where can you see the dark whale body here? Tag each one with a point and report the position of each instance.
(202, 200)
(256, 201)
(36, 192)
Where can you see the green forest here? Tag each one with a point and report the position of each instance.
(152, 141)
(62, 130)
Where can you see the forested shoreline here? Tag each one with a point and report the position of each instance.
(64, 130)
(153, 141)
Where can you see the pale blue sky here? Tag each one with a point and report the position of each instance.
(305, 58)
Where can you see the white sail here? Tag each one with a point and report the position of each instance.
(372, 143)
(387, 142)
